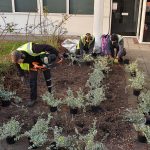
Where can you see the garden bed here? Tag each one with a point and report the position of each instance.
(121, 135)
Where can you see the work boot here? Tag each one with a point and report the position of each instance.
(31, 103)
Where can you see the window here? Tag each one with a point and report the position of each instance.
(81, 6)
(55, 6)
(26, 6)
(5, 6)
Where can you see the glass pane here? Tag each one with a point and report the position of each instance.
(146, 35)
(26, 5)
(5, 6)
(81, 6)
(55, 6)
(125, 17)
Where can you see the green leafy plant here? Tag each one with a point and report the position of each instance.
(95, 79)
(61, 140)
(75, 101)
(6, 95)
(138, 81)
(88, 139)
(51, 100)
(134, 116)
(144, 129)
(87, 57)
(10, 129)
(132, 67)
(96, 96)
(101, 63)
(144, 102)
(38, 133)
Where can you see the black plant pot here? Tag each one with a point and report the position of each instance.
(6, 103)
(136, 92)
(147, 120)
(73, 111)
(126, 61)
(133, 74)
(95, 109)
(31, 144)
(53, 109)
(10, 140)
(53, 146)
(141, 138)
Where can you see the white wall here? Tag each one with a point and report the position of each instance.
(76, 24)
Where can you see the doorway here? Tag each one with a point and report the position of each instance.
(146, 33)
(125, 17)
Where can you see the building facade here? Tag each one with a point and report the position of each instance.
(125, 17)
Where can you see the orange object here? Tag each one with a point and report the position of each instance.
(36, 66)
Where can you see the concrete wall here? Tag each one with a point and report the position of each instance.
(76, 24)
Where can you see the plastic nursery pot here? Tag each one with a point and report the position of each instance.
(136, 92)
(31, 144)
(6, 103)
(141, 137)
(11, 139)
(126, 61)
(53, 109)
(95, 109)
(133, 74)
(147, 119)
(73, 111)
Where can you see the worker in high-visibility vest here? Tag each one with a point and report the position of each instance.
(31, 57)
(85, 45)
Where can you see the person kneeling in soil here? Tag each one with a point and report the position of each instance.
(85, 45)
(32, 57)
(113, 46)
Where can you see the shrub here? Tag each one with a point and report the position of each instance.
(101, 63)
(95, 79)
(144, 99)
(62, 141)
(87, 58)
(138, 81)
(88, 139)
(38, 133)
(134, 116)
(96, 96)
(10, 129)
(8, 95)
(73, 101)
(132, 67)
(51, 100)
(144, 129)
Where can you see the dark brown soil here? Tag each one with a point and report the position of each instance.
(121, 135)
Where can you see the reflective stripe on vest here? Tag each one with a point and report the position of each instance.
(84, 42)
(28, 49)
(24, 66)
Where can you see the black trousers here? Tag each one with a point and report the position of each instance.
(112, 49)
(33, 82)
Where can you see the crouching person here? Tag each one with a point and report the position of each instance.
(85, 45)
(31, 57)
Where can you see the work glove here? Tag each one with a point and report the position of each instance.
(116, 61)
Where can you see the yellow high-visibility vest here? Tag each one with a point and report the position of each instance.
(28, 49)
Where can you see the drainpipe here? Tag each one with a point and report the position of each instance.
(98, 17)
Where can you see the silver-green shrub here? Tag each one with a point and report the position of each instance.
(10, 129)
(51, 100)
